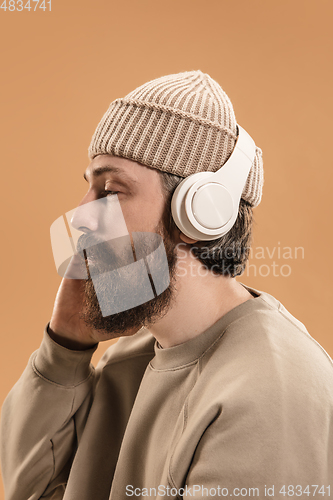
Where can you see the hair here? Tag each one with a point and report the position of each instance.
(225, 256)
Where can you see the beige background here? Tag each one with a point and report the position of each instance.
(61, 69)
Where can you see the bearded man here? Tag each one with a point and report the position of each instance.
(213, 389)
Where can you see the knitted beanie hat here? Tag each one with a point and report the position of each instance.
(181, 124)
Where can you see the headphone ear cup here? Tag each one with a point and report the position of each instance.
(178, 208)
(201, 208)
(205, 205)
(209, 205)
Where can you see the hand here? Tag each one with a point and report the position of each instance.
(66, 328)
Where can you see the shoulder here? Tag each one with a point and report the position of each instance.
(267, 331)
(265, 354)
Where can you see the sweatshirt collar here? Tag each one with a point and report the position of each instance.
(189, 352)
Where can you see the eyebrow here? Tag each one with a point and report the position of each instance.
(111, 169)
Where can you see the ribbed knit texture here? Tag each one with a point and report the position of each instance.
(181, 124)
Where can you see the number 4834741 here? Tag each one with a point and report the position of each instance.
(30, 5)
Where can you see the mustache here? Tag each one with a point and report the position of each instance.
(86, 241)
(102, 256)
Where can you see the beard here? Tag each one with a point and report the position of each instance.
(132, 319)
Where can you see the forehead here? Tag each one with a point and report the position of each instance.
(120, 168)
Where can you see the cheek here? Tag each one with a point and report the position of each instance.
(144, 215)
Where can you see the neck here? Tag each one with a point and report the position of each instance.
(201, 298)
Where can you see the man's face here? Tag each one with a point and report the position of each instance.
(138, 188)
(140, 195)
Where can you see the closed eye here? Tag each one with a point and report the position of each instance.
(110, 193)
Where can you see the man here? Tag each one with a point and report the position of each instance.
(214, 389)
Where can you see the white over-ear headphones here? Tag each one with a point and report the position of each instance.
(205, 205)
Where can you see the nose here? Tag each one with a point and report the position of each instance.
(86, 215)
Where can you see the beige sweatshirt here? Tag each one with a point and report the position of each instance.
(244, 409)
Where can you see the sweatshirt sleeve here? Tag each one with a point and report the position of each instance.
(41, 421)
